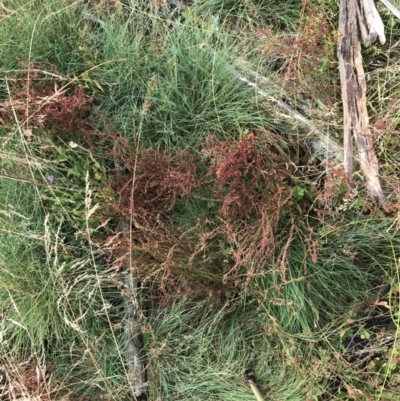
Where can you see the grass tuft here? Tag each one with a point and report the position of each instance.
(250, 254)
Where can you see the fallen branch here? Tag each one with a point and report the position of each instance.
(391, 8)
(256, 391)
(322, 145)
(355, 115)
(132, 333)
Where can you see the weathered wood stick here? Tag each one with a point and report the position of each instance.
(132, 337)
(355, 114)
(256, 391)
(369, 18)
(395, 11)
(132, 333)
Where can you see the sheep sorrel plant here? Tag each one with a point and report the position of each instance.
(40, 102)
(147, 192)
(153, 181)
(244, 195)
(252, 187)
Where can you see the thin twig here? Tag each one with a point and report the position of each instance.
(395, 11)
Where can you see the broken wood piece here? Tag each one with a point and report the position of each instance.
(132, 337)
(369, 17)
(250, 379)
(354, 89)
(132, 333)
(255, 390)
(322, 145)
(395, 11)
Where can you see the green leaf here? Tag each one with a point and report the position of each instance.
(389, 396)
(324, 61)
(366, 334)
(298, 193)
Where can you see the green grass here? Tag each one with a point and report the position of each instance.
(52, 300)
(171, 86)
(252, 12)
(41, 32)
(191, 93)
(217, 343)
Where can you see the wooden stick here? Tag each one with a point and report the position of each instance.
(256, 391)
(395, 11)
(355, 115)
(369, 16)
(132, 333)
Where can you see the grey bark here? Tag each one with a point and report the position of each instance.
(354, 14)
(132, 319)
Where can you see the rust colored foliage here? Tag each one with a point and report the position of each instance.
(308, 55)
(250, 183)
(153, 181)
(147, 188)
(23, 380)
(247, 183)
(42, 103)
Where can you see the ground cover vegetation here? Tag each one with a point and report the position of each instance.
(252, 249)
